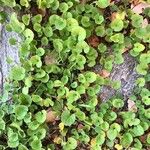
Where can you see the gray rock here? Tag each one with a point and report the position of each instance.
(7, 51)
(125, 73)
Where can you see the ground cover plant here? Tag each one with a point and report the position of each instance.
(51, 99)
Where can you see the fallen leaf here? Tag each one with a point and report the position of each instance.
(118, 15)
(132, 106)
(80, 126)
(138, 9)
(51, 116)
(143, 138)
(57, 140)
(125, 50)
(118, 147)
(93, 142)
(93, 41)
(49, 59)
(145, 23)
(104, 73)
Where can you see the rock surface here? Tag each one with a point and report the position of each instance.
(125, 73)
(7, 51)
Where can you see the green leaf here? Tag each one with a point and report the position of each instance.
(29, 35)
(33, 125)
(18, 73)
(26, 19)
(2, 124)
(24, 3)
(36, 144)
(67, 118)
(117, 25)
(117, 38)
(148, 139)
(112, 134)
(22, 147)
(15, 24)
(126, 140)
(12, 41)
(90, 77)
(72, 96)
(20, 111)
(118, 103)
(137, 20)
(138, 130)
(79, 32)
(41, 116)
(103, 3)
(71, 144)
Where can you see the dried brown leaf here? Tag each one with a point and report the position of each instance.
(138, 9)
(104, 73)
(132, 106)
(93, 41)
(51, 116)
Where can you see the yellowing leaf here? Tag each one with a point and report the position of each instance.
(93, 142)
(57, 140)
(61, 126)
(118, 147)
